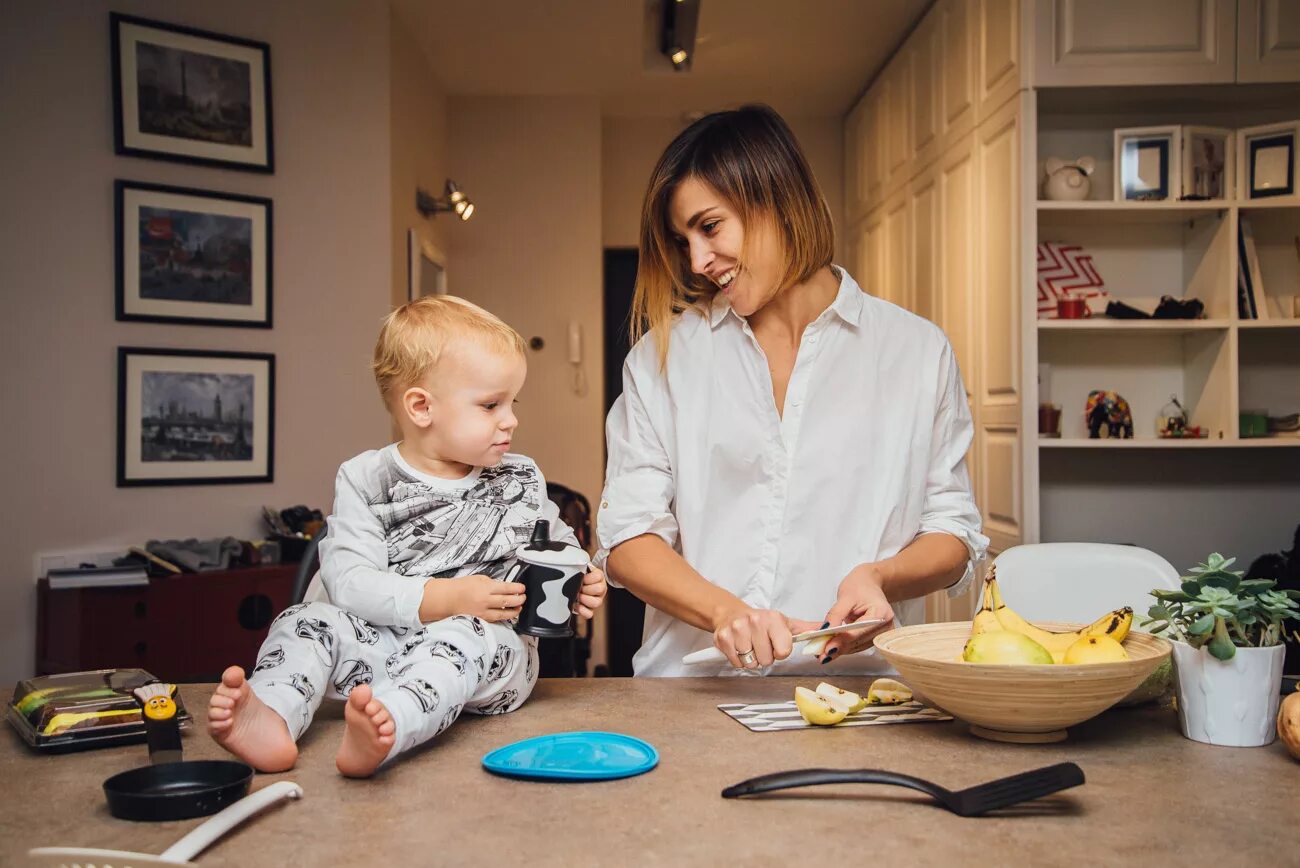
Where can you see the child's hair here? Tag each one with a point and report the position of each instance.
(752, 159)
(415, 336)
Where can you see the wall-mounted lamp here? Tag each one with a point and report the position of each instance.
(677, 34)
(452, 200)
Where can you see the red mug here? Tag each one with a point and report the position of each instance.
(1072, 308)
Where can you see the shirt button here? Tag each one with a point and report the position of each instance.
(812, 339)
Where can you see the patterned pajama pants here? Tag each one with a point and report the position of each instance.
(425, 678)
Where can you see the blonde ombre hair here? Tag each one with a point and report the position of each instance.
(751, 158)
(416, 335)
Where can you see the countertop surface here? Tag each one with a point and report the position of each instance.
(1151, 795)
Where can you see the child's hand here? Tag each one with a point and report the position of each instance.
(479, 596)
(591, 594)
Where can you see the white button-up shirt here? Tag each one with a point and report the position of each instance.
(777, 509)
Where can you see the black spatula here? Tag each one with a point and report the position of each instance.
(970, 802)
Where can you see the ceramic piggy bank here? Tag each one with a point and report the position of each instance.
(1069, 182)
(1108, 416)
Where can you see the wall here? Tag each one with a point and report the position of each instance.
(59, 339)
(631, 146)
(419, 151)
(531, 254)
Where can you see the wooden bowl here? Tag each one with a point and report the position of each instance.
(1024, 703)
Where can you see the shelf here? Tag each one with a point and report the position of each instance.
(1154, 443)
(1110, 212)
(1106, 326)
(1271, 203)
(1269, 324)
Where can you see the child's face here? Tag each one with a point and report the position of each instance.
(713, 236)
(471, 418)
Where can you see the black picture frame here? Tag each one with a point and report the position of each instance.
(208, 121)
(1254, 145)
(189, 288)
(202, 448)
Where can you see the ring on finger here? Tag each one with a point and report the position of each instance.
(748, 658)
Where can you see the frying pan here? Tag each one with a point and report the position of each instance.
(171, 788)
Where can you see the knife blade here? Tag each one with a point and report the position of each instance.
(713, 655)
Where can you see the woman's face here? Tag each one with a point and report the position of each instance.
(712, 235)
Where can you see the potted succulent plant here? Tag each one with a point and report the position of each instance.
(1228, 651)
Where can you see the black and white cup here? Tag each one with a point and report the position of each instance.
(551, 573)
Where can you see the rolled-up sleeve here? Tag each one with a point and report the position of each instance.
(949, 501)
(354, 563)
(639, 489)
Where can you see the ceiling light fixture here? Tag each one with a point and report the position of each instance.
(453, 199)
(677, 33)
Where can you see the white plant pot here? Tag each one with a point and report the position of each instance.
(1229, 702)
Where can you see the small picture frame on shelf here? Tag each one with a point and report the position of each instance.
(194, 417)
(1268, 160)
(1207, 163)
(1147, 163)
(194, 257)
(190, 95)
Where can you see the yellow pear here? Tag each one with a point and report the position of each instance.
(851, 701)
(1095, 649)
(887, 691)
(818, 709)
(1004, 646)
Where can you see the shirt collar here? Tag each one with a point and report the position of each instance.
(847, 304)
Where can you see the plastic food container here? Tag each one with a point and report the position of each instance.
(80, 710)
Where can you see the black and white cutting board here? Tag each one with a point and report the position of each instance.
(776, 716)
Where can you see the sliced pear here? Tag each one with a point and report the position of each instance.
(851, 701)
(814, 647)
(887, 691)
(817, 709)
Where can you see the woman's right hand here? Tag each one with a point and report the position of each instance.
(753, 638)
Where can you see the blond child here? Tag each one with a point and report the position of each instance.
(414, 625)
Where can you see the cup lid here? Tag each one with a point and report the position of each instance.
(541, 549)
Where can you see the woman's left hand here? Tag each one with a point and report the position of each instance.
(591, 594)
(861, 596)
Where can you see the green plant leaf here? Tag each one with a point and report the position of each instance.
(1202, 625)
(1192, 588)
(1172, 596)
(1222, 648)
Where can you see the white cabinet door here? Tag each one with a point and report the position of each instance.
(924, 208)
(896, 284)
(1268, 40)
(999, 437)
(998, 43)
(923, 51)
(870, 262)
(1101, 42)
(855, 151)
(957, 68)
(897, 121)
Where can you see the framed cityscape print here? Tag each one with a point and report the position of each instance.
(1148, 163)
(194, 417)
(1269, 159)
(191, 95)
(192, 256)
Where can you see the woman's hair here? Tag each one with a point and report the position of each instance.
(416, 335)
(750, 157)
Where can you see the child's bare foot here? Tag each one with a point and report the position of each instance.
(367, 734)
(247, 727)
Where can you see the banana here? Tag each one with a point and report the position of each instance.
(985, 621)
(1114, 624)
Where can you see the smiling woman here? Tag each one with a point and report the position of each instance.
(787, 450)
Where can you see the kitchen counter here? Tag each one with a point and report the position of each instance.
(1151, 795)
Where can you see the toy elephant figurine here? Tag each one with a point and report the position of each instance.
(1108, 412)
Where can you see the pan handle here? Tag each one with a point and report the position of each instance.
(202, 837)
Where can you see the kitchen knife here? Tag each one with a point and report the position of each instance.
(713, 655)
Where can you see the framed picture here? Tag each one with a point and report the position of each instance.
(1207, 167)
(194, 417)
(190, 95)
(192, 256)
(1267, 160)
(427, 274)
(1146, 161)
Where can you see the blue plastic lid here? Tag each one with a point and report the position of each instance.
(573, 756)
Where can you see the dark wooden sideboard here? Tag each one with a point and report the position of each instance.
(182, 628)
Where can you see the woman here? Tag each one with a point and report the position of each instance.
(788, 450)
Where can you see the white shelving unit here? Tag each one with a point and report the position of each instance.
(1174, 495)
